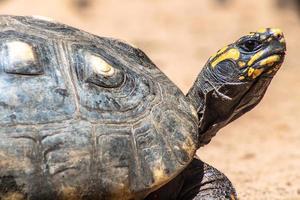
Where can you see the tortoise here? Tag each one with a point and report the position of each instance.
(89, 117)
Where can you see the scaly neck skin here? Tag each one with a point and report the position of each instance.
(218, 100)
(235, 79)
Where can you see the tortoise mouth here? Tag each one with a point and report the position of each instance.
(266, 66)
(268, 61)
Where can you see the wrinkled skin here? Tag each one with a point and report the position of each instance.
(87, 117)
(230, 84)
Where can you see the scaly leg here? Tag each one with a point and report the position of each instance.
(199, 181)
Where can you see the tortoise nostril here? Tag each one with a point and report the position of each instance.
(278, 36)
(277, 33)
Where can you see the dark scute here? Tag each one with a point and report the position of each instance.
(34, 99)
(8, 184)
(47, 25)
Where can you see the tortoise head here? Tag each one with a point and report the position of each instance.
(235, 79)
(257, 54)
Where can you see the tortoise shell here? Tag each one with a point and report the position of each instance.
(86, 117)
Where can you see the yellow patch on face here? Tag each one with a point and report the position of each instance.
(263, 37)
(270, 60)
(250, 71)
(69, 193)
(230, 54)
(189, 147)
(276, 32)
(282, 40)
(241, 64)
(241, 78)
(262, 30)
(219, 52)
(222, 50)
(255, 57)
(257, 72)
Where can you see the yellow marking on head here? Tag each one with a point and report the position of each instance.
(257, 72)
(270, 39)
(282, 40)
(263, 37)
(255, 57)
(241, 78)
(253, 73)
(262, 30)
(230, 54)
(222, 50)
(276, 32)
(270, 60)
(250, 71)
(218, 53)
(241, 63)
(100, 66)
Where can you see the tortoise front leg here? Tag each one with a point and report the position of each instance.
(199, 181)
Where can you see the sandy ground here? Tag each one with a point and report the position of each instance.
(259, 152)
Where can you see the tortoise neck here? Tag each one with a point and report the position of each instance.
(198, 95)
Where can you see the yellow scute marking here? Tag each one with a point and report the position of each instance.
(159, 175)
(250, 71)
(230, 54)
(99, 66)
(69, 193)
(13, 196)
(20, 52)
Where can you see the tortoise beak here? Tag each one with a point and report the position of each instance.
(269, 59)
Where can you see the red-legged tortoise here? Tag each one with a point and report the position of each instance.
(88, 117)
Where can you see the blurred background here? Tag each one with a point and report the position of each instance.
(259, 152)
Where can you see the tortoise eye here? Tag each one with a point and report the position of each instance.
(20, 58)
(250, 45)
